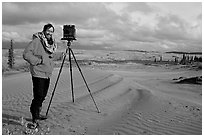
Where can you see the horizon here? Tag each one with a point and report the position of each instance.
(79, 47)
(148, 26)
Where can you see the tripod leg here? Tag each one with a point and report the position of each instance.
(70, 62)
(56, 82)
(84, 79)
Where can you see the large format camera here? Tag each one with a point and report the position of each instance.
(69, 32)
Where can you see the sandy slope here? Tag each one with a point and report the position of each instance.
(142, 101)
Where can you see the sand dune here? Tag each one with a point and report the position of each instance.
(131, 102)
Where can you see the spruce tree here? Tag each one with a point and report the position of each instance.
(11, 56)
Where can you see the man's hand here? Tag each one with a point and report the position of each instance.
(65, 54)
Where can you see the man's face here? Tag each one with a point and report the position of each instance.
(49, 32)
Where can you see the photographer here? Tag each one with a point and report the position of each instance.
(40, 54)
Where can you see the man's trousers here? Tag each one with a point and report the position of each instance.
(40, 89)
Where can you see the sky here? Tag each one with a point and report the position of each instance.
(151, 26)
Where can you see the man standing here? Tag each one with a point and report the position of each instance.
(40, 54)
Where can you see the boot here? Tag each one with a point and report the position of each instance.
(34, 115)
(42, 117)
(35, 122)
(39, 116)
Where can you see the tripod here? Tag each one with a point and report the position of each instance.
(70, 52)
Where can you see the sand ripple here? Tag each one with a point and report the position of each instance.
(127, 107)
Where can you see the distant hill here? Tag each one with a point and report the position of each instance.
(16, 45)
(143, 51)
(137, 51)
(174, 52)
(178, 52)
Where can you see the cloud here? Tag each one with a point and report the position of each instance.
(125, 25)
(199, 17)
(85, 33)
(170, 27)
(78, 13)
(7, 36)
(138, 6)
